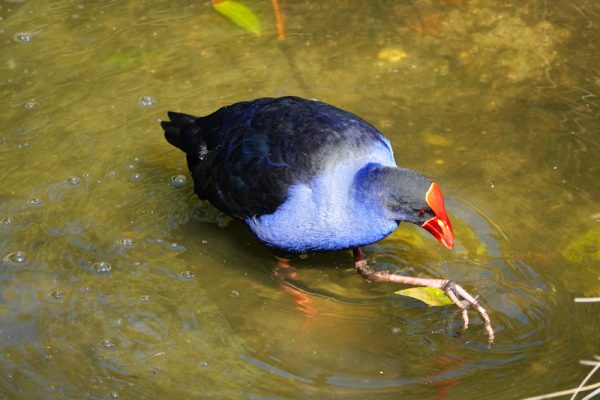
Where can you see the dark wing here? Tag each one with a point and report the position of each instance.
(256, 150)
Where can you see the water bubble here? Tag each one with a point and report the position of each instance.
(72, 181)
(137, 159)
(146, 102)
(112, 174)
(176, 246)
(6, 221)
(106, 344)
(36, 202)
(23, 37)
(101, 267)
(58, 295)
(203, 364)
(119, 322)
(126, 242)
(135, 177)
(178, 181)
(30, 105)
(22, 131)
(18, 257)
(187, 275)
(130, 167)
(145, 299)
(112, 395)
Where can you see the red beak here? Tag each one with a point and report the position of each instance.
(439, 226)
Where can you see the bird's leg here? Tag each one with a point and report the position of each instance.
(285, 271)
(455, 292)
(283, 262)
(284, 268)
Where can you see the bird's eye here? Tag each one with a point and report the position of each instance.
(422, 211)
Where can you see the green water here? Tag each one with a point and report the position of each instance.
(115, 281)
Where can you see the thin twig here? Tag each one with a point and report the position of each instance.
(584, 381)
(564, 392)
(591, 395)
(587, 299)
(589, 363)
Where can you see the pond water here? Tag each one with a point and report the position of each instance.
(116, 281)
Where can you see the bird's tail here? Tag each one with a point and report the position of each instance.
(184, 132)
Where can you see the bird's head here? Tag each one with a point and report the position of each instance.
(407, 196)
(429, 212)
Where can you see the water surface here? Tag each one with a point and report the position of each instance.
(115, 281)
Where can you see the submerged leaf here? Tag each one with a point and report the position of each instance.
(123, 59)
(391, 54)
(436, 139)
(584, 247)
(239, 14)
(430, 296)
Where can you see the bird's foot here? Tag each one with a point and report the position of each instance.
(454, 291)
(463, 301)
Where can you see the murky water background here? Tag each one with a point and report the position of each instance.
(115, 281)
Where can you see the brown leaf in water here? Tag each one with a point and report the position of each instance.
(426, 25)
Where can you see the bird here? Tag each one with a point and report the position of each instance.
(306, 176)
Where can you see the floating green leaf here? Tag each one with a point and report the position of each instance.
(239, 14)
(431, 296)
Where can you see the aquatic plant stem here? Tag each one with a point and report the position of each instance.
(455, 292)
(279, 21)
(284, 48)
